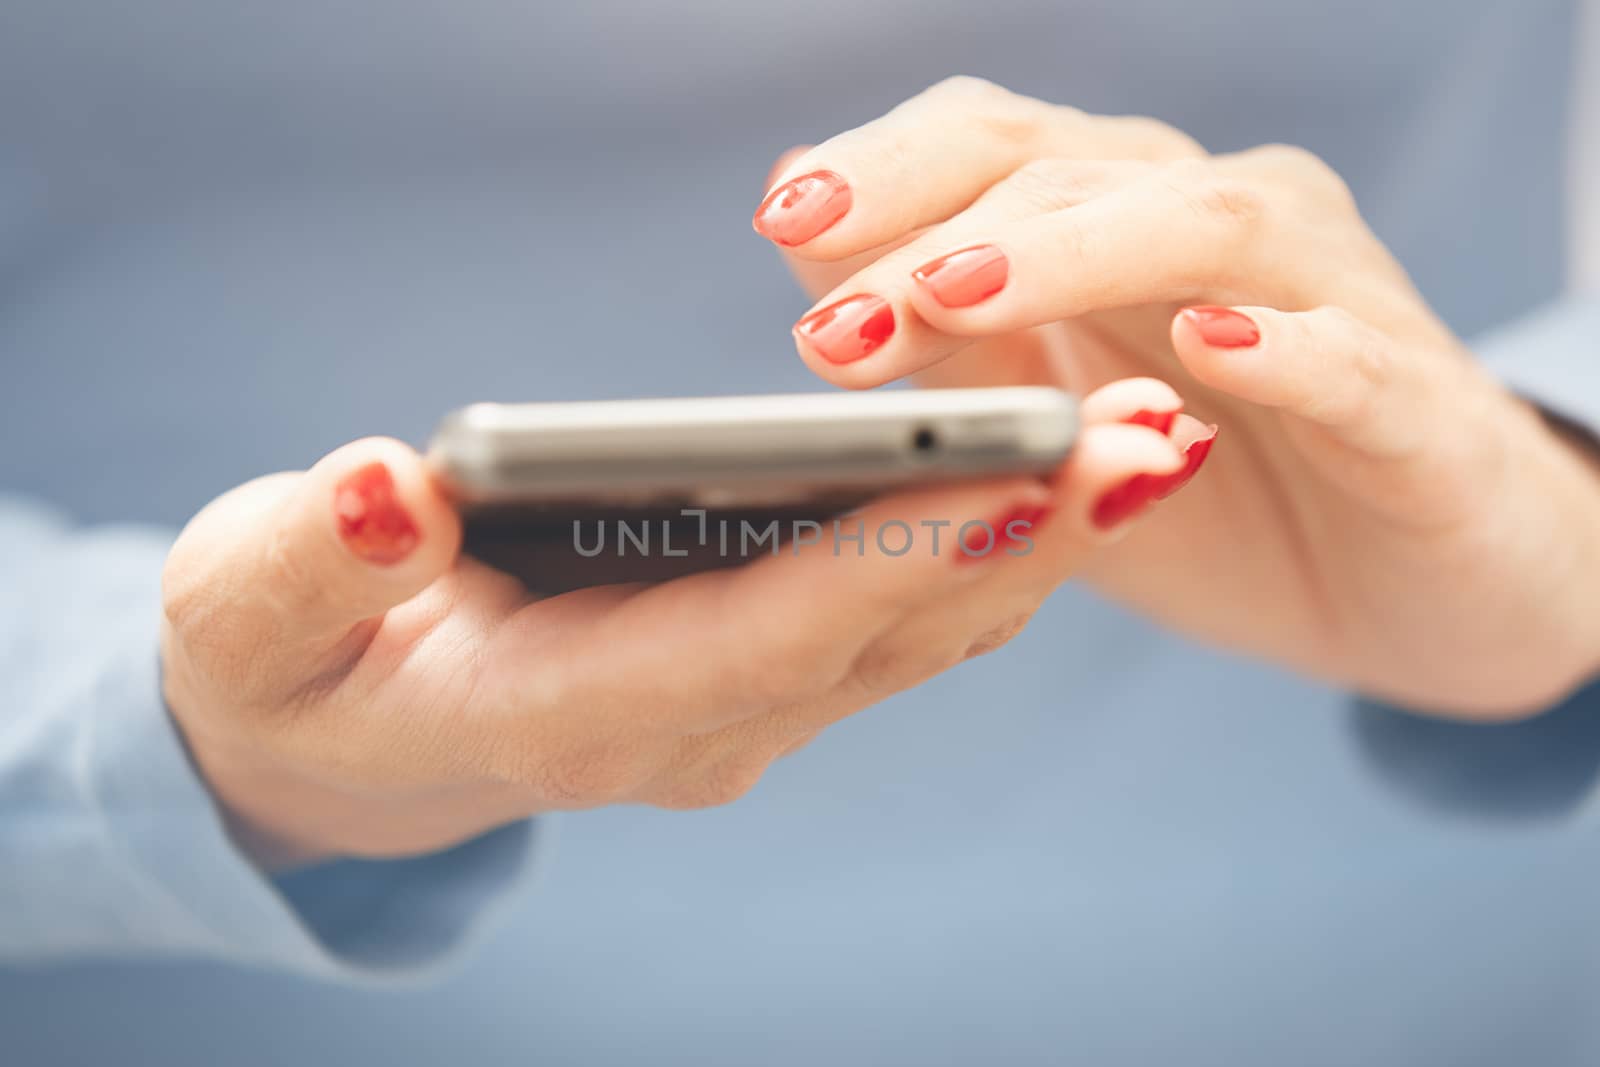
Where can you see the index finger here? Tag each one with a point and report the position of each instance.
(930, 157)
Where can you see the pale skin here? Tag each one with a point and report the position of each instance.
(1377, 511)
(339, 706)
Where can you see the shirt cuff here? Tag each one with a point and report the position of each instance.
(130, 854)
(1551, 359)
(349, 920)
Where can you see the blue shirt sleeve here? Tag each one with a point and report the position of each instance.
(1553, 359)
(110, 844)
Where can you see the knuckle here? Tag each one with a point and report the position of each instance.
(291, 575)
(1371, 358)
(1009, 127)
(1047, 185)
(968, 89)
(993, 111)
(1233, 202)
(294, 584)
(1361, 359)
(1071, 240)
(1150, 138)
(1331, 318)
(1367, 353)
(1307, 170)
(1181, 172)
(1291, 158)
(1216, 197)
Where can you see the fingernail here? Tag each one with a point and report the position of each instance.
(1009, 532)
(849, 329)
(1123, 502)
(1193, 457)
(1159, 421)
(1223, 327)
(372, 521)
(966, 277)
(802, 208)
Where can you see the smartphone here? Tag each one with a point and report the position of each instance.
(537, 482)
(743, 452)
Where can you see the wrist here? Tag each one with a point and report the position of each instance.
(1583, 447)
(1507, 626)
(261, 805)
(290, 800)
(269, 813)
(1574, 486)
(234, 772)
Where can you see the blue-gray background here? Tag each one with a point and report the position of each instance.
(234, 235)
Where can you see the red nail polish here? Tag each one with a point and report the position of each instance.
(1159, 421)
(372, 520)
(849, 329)
(1124, 501)
(1223, 327)
(802, 208)
(1193, 457)
(965, 277)
(1010, 531)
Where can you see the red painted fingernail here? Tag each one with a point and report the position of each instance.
(372, 520)
(1123, 502)
(1223, 327)
(965, 277)
(1193, 457)
(1159, 421)
(802, 208)
(1010, 531)
(849, 329)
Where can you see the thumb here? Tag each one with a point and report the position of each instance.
(279, 571)
(364, 531)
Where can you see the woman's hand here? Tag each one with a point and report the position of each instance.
(350, 684)
(1381, 514)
